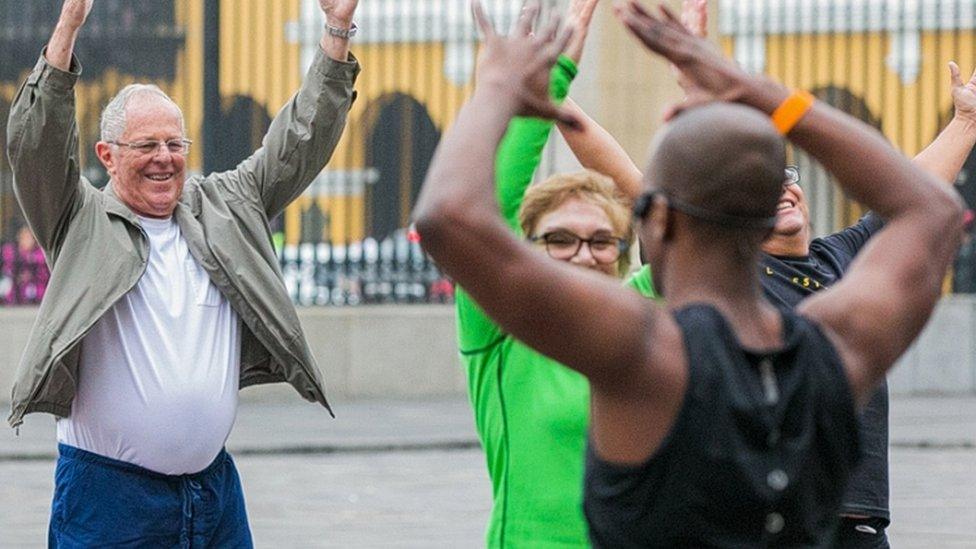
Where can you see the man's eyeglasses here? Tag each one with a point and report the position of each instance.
(792, 176)
(174, 146)
(564, 245)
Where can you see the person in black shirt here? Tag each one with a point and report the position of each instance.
(793, 267)
(717, 419)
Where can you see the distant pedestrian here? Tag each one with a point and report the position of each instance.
(24, 269)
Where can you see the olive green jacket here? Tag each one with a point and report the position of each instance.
(98, 251)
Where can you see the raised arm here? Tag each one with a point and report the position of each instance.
(884, 300)
(42, 135)
(61, 47)
(597, 150)
(593, 145)
(519, 154)
(304, 134)
(945, 156)
(515, 284)
(520, 151)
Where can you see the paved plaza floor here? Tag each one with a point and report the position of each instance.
(409, 474)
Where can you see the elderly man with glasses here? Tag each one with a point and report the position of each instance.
(165, 296)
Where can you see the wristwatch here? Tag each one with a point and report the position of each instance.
(342, 33)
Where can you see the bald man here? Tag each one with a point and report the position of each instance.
(716, 420)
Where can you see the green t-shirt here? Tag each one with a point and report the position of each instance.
(531, 412)
(641, 281)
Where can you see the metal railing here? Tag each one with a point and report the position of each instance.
(394, 270)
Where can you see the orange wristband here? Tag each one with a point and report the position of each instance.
(789, 113)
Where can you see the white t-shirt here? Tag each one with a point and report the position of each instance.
(159, 372)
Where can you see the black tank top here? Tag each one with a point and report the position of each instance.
(759, 454)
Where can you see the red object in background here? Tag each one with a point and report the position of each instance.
(412, 234)
(25, 271)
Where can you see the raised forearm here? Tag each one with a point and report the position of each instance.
(520, 151)
(597, 150)
(336, 47)
(42, 145)
(62, 46)
(869, 169)
(300, 139)
(945, 156)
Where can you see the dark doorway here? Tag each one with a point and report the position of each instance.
(401, 141)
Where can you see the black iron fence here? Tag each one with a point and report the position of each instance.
(392, 270)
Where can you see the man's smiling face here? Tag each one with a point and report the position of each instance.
(150, 183)
(792, 212)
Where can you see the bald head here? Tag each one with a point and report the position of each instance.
(724, 158)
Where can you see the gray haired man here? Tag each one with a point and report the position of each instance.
(165, 296)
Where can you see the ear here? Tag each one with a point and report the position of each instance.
(662, 220)
(107, 156)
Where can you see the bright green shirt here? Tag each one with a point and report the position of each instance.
(531, 412)
(641, 281)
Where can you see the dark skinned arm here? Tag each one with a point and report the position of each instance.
(884, 300)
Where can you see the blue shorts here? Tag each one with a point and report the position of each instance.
(99, 501)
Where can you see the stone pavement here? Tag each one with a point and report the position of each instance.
(410, 474)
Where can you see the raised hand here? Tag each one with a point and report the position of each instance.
(518, 65)
(963, 94)
(339, 12)
(579, 17)
(74, 13)
(62, 44)
(694, 16)
(709, 76)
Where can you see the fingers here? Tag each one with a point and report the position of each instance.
(561, 40)
(694, 17)
(548, 32)
(582, 11)
(549, 110)
(482, 19)
(955, 75)
(527, 18)
(689, 103)
(642, 25)
(637, 8)
(702, 29)
(670, 19)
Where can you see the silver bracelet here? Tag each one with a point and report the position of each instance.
(342, 33)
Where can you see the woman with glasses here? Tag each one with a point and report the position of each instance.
(531, 412)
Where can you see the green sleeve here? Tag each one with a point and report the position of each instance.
(520, 151)
(641, 281)
(519, 154)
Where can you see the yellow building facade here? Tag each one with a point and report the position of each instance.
(418, 58)
(884, 61)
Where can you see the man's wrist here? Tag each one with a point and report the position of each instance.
(967, 120)
(338, 22)
(763, 94)
(499, 94)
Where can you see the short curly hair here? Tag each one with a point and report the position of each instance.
(590, 186)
